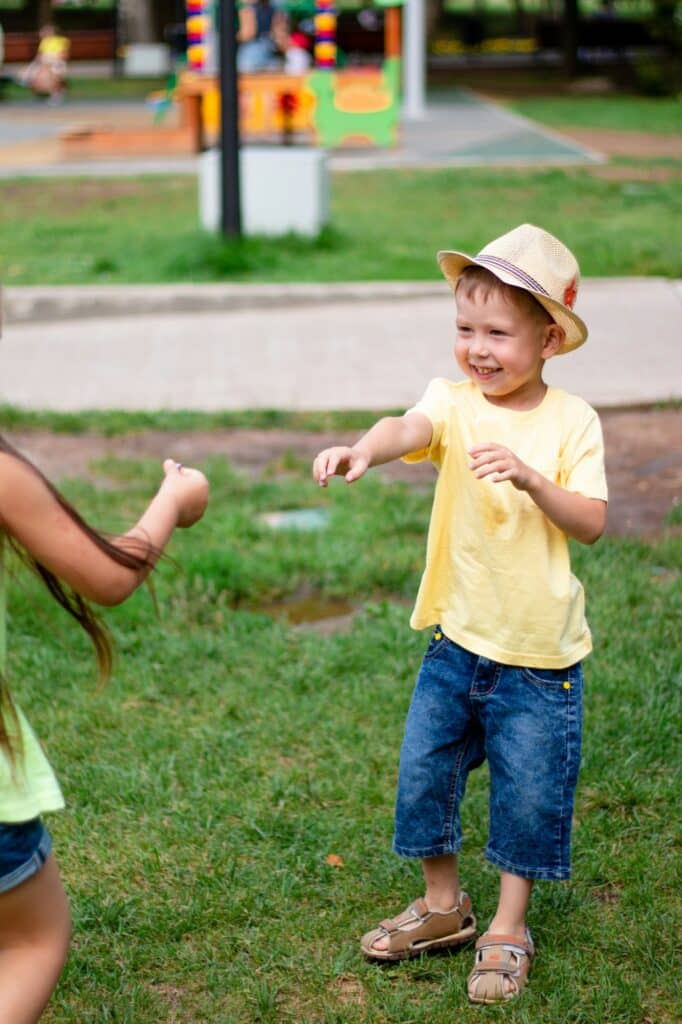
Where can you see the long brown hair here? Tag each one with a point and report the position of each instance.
(69, 599)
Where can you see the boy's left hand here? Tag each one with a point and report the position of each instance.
(497, 462)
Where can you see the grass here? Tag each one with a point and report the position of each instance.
(82, 89)
(231, 754)
(145, 229)
(113, 423)
(661, 116)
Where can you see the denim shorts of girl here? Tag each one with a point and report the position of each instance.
(527, 722)
(24, 848)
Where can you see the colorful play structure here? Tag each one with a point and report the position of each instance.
(327, 105)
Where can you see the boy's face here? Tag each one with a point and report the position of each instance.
(502, 348)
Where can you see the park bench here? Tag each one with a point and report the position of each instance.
(86, 44)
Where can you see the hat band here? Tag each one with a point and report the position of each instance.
(516, 272)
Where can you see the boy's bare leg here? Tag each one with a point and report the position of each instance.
(510, 916)
(441, 877)
(35, 927)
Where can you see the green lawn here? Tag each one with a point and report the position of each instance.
(231, 754)
(145, 229)
(94, 89)
(616, 113)
(112, 422)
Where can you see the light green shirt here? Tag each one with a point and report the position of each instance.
(28, 785)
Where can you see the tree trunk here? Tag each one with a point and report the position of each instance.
(571, 15)
(45, 12)
(434, 10)
(137, 17)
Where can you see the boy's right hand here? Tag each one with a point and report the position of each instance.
(350, 463)
(189, 490)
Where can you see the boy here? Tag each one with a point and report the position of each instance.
(520, 471)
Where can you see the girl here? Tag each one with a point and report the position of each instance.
(78, 565)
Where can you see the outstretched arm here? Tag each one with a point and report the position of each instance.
(389, 438)
(248, 26)
(33, 516)
(580, 517)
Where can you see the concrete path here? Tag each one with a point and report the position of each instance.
(459, 129)
(304, 347)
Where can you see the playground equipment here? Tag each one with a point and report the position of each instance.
(328, 105)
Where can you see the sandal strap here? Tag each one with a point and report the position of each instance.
(499, 957)
(520, 946)
(416, 911)
(497, 967)
(400, 935)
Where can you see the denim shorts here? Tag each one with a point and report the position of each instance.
(527, 723)
(24, 848)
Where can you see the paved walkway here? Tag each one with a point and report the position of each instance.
(302, 346)
(305, 347)
(458, 130)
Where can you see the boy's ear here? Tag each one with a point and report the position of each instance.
(554, 339)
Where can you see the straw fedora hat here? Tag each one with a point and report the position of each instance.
(536, 261)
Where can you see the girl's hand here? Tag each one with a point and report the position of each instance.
(189, 489)
(500, 464)
(350, 463)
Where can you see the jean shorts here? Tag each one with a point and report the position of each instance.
(527, 722)
(24, 848)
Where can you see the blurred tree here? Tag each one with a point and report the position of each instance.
(570, 37)
(138, 18)
(434, 12)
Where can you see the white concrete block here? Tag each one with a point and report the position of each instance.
(144, 60)
(283, 189)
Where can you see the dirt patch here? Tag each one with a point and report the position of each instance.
(654, 173)
(640, 145)
(61, 199)
(349, 990)
(644, 463)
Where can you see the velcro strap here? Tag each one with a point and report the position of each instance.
(496, 967)
(507, 941)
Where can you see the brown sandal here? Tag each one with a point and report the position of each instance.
(418, 929)
(500, 958)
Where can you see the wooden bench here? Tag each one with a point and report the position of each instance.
(86, 44)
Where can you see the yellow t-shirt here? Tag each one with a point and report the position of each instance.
(28, 785)
(54, 47)
(498, 576)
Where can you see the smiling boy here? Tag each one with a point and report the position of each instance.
(521, 470)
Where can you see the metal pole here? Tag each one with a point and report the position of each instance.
(229, 120)
(414, 69)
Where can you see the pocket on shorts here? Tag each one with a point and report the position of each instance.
(437, 642)
(555, 678)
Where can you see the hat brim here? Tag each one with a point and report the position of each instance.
(452, 264)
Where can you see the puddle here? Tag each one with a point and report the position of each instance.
(303, 519)
(311, 610)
